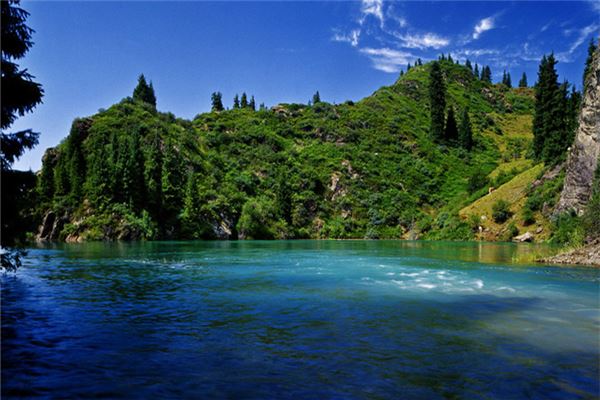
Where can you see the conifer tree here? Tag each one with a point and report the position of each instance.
(419, 62)
(476, 71)
(316, 98)
(244, 101)
(468, 65)
(451, 130)
(551, 135)
(236, 102)
(408, 67)
(486, 74)
(153, 176)
(588, 61)
(465, 133)
(20, 94)
(437, 101)
(506, 79)
(217, 101)
(523, 81)
(144, 92)
(252, 104)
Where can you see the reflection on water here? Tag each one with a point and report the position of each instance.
(295, 319)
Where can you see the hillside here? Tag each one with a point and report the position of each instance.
(352, 170)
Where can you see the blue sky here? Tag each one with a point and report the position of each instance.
(87, 55)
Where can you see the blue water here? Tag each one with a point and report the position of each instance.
(304, 319)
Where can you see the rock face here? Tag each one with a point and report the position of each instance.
(51, 227)
(583, 158)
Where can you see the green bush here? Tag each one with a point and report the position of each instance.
(501, 211)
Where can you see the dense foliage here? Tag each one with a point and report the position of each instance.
(20, 95)
(365, 169)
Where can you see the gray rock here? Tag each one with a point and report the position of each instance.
(583, 157)
(526, 237)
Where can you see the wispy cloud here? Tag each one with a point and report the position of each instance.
(428, 40)
(483, 25)
(583, 34)
(374, 8)
(351, 38)
(386, 59)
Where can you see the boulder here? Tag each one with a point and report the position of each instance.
(526, 237)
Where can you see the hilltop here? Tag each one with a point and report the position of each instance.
(366, 169)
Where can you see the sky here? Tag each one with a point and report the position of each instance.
(88, 55)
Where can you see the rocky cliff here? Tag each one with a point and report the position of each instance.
(583, 157)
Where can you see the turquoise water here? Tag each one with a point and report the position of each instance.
(298, 319)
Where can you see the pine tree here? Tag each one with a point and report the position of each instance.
(144, 92)
(153, 176)
(476, 71)
(468, 65)
(551, 135)
(46, 180)
(486, 74)
(506, 79)
(437, 101)
(588, 61)
(316, 98)
(408, 67)
(419, 62)
(523, 81)
(217, 102)
(252, 104)
(244, 101)
(20, 94)
(465, 133)
(451, 130)
(236, 102)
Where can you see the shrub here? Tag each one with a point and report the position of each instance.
(476, 181)
(528, 217)
(501, 211)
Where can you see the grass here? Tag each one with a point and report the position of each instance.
(515, 193)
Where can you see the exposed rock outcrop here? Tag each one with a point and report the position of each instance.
(583, 157)
(51, 227)
(586, 255)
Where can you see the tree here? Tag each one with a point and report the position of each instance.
(437, 101)
(588, 61)
(486, 74)
(523, 81)
(153, 176)
(144, 92)
(465, 133)
(244, 101)
(476, 71)
(408, 67)
(506, 79)
(419, 62)
(468, 65)
(236, 102)
(451, 130)
(551, 135)
(217, 102)
(252, 104)
(316, 98)
(20, 94)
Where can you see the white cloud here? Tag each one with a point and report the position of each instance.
(584, 33)
(374, 8)
(351, 38)
(484, 25)
(428, 40)
(386, 59)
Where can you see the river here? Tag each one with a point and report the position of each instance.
(299, 319)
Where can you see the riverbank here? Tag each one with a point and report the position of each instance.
(586, 255)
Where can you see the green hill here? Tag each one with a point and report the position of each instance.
(352, 170)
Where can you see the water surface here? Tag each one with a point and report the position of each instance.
(301, 319)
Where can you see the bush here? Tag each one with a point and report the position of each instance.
(568, 230)
(501, 211)
(528, 217)
(476, 181)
